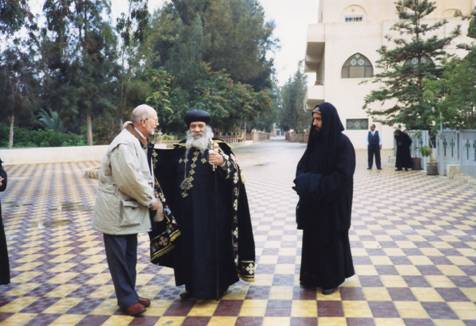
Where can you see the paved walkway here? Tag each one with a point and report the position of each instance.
(413, 242)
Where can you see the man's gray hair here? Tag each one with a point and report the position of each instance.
(142, 112)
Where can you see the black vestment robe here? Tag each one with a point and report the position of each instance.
(325, 205)
(216, 245)
(4, 264)
(403, 157)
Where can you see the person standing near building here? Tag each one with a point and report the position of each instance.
(324, 183)
(125, 195)
(4, 264)
(403, 157)
(374, 145)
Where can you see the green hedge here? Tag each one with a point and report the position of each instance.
(40, 138)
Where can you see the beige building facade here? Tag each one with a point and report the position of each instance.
(341, 53)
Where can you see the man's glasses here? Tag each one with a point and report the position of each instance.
(156, 120)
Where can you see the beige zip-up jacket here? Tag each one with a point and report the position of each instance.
(125, 188)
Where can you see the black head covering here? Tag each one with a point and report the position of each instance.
(197, 115)
(321, 151)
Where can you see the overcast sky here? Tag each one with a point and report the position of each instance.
(291, 18)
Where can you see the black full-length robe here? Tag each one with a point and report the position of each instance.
(216, 245)
(4, 264)
(325, 204)
(403, 158)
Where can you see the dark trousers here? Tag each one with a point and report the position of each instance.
(4, 264)
(374, 150)
(121, 254)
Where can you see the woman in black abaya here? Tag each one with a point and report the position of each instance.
(324, 183)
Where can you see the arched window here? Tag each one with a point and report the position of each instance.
(354, 14)
(425, 61)
(357, 66)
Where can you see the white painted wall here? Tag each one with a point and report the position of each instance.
(52, 154)
(342, 40)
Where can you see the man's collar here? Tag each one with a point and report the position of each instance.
(140, 134)
(136, 133)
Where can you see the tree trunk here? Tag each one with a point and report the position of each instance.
(89, 122)
(123, 92)
(11, 132)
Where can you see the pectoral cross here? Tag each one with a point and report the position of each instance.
(214, 147)
(163, 241)
(250, 268)
(186, 184)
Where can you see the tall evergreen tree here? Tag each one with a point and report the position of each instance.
(454, 94)
(132, 26)
(13, 15)
(96, 45)
(414, 56)
(16, 65)
(79, 48)
(266, 119)
(238, 40)
(293, 97)
(215, 53)
(56, 64)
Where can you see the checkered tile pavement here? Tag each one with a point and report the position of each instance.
(413, 241)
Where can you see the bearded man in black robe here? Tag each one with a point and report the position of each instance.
(324, 183)
(202, 184)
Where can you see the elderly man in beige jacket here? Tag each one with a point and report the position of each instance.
(125, 196)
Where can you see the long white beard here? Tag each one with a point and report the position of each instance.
(201, 142)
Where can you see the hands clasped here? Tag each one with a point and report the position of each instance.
(306, 183)
(156, 205)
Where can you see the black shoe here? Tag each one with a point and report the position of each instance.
(406, 169)
(379, 168)
(399, 169)
(328, 291)
(185, 295)
(369, 168)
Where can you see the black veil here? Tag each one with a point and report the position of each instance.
(321, 151)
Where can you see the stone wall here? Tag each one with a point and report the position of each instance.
(457, 149)
(37, 155)
(295, 137)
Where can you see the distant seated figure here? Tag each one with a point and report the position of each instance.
(403, 157)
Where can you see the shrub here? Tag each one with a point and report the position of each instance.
(425, 150)
(40, 138)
